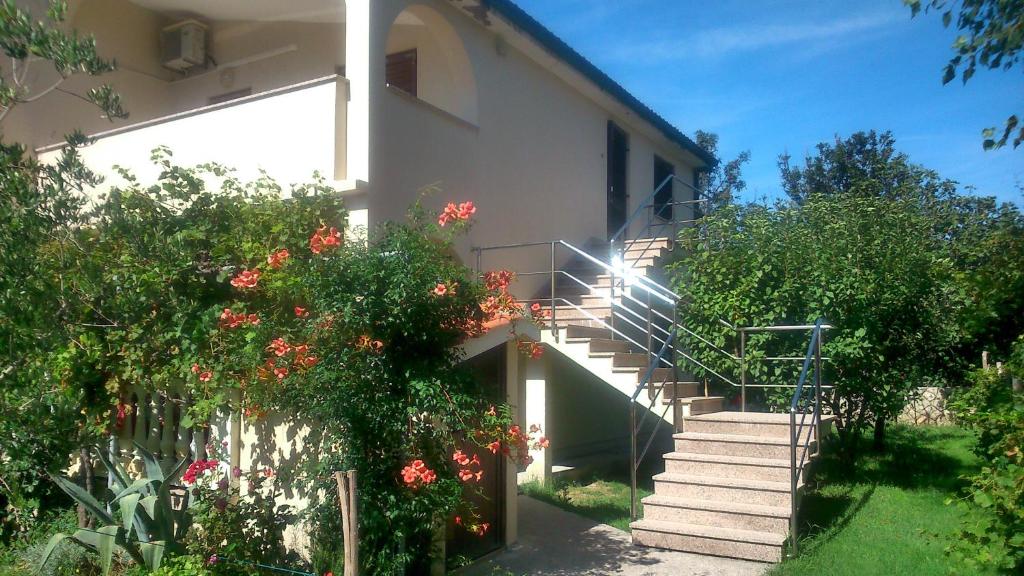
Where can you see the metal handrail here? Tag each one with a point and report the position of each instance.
(796, 432)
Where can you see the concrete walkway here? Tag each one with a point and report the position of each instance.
(555, 542)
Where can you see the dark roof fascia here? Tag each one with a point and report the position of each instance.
(558, 47)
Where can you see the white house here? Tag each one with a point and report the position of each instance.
(384, 97)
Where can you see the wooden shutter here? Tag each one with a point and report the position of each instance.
(400, 71)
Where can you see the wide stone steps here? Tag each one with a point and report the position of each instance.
(733, 445)
(703, 539)
(726, 489)
(740, 516)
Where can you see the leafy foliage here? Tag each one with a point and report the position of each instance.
(991, 35)
(994, 537)
(722, 183)
(138, 519)
(40, 207)
(871, 266)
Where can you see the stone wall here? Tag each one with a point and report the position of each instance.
(927, 406)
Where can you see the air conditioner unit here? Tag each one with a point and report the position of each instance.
(183, 45)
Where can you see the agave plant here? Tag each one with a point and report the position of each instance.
(139, 518)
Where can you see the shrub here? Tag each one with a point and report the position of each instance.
(993, 534)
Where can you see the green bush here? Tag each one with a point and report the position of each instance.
(994, 533)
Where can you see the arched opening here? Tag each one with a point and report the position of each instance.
(426, 59)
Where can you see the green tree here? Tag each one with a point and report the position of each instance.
(40, 206)
(724, 181)
(991, 35)
(865, 164)
(871, 266)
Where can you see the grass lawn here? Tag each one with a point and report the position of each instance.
(887, 516)
(605, 501)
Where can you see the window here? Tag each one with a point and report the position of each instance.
(400, 71)
(229, 96)
(664, 197)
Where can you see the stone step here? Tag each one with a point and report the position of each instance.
(607, 345)
(742, 423)
(721, 466)
(728, 542)
(740, 490)
(773, 519)
(631, 359)
(697, 405)
(734, 445)
(675, 389)
(570, 312)
(582, 331)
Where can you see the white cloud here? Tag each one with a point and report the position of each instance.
(749, 37)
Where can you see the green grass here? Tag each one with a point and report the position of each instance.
(604, 501)
(888, 515)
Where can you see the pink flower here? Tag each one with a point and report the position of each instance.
(277, 259)
(205, 376)
(279, 347)
(453, 213)
(324, 239)
(440, 290)
(196, 369)
(281, 372)
(301, 312)
(246, 278)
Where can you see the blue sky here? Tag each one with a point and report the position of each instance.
(781, 75)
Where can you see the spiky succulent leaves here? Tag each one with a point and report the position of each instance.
(153, 469)
(91, 505)
(114, 469)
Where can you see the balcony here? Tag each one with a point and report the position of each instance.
(289, 133)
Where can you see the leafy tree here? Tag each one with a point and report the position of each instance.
(872, 266)
(865, 164)
(40, 207)
(724, 181)
(992, 35)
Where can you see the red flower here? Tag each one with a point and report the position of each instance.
(279, 347)
(196, 369)
(498, 280)
(466, 209)
(246, 278)
(301, 312)
(494, 446)
(460, 457)
(205, 376)
(281, 372)
(465, 474)
(453, 213)
(310, 361)
(277, 259)
(543, 442)
(254, 319)
(458, 520)
(440, 289)
(416, 474)
(324, 239)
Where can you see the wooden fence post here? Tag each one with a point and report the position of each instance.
(349, 519)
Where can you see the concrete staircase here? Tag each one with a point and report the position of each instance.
(726, 488)
(584, 335)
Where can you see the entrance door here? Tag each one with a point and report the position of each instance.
(618, 155)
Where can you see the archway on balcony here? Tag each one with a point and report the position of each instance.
(426, 59)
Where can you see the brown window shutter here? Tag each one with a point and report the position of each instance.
(400, 71)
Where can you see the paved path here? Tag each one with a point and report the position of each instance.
(555, 542)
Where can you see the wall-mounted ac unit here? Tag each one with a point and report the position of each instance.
(183, 45)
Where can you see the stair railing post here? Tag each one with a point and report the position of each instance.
(743, 370)
(817, 389)
(611, 286)
(554, 326)
(632, 461)
(675, 368)
(650, 329)
(792, 481)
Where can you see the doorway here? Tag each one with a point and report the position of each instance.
(618, 196)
